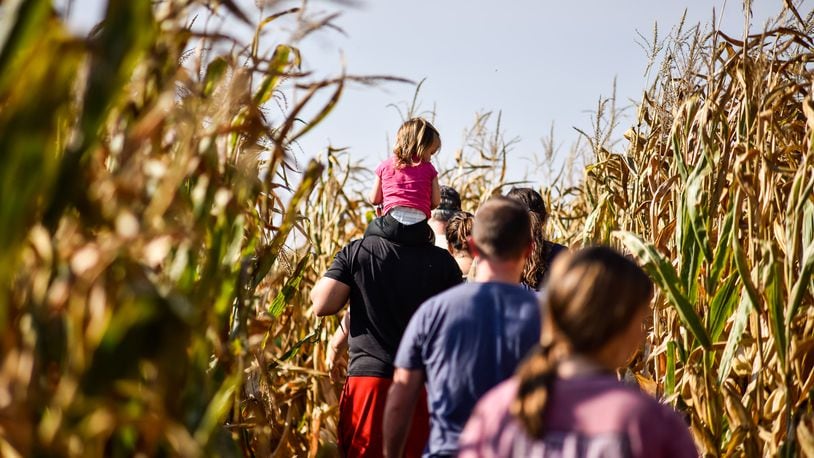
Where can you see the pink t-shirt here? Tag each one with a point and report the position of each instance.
(591, 416)
(409, 186)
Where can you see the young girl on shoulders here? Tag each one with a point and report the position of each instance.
(406, 184)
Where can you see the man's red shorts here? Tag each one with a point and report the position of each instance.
(361, 413)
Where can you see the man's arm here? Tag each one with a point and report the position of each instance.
(329, 296)
(398, 411)
(337, 348)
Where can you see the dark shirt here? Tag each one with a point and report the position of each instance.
(552, 250)
(467, 340)
(391, 271)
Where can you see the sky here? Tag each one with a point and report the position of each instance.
(539, 63)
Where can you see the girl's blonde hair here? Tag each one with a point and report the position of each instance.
(592, 296)
(414, 142)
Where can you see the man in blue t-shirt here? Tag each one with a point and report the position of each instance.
(465, 341)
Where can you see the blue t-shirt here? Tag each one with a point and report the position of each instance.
(467, 340)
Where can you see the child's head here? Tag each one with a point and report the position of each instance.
(530, 199)
(594, 282)
(416, 141)
(596, 303)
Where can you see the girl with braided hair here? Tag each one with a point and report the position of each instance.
(565, 399)
(458, 231)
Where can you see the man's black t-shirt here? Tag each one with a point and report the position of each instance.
(391, 271)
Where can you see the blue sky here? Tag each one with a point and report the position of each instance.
(539, 62)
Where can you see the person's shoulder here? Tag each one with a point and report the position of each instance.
(435, 250)
(453, 293)
(437, 254)
(637, 404)
(386, 164)
(553, 250)
(491, 427)
(439, 303)
(427, 167)
(349, 246)
(437, 306)
(354, 243)
(501, 395)
(517, 291)
(657, 421)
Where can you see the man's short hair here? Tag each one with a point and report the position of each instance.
(450, 204)
(502, 229)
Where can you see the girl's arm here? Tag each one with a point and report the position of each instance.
(376, 196)
(436, 193)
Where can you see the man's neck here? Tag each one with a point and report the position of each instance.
(438, 226)
(491, 270)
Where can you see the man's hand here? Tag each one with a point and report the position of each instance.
(398, 412)
(336, 357)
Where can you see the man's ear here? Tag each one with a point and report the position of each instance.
(473, 249)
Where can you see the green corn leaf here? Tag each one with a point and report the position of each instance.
(280, 61)
(690, 265)
(675, 141)
(742, 265)
(808, 223)
(309, 339)
(802, 283)
(22, 23)
(773, 286)
(283, 298)
(745, 308)
(670, 375)
(218, 408)
(665, 277)
(721, 306)
(722, 251)
(214, 74)
(696, 207)
(690, 249)
(589, 228)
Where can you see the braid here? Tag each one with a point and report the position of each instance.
(459, 228)
(536, 376)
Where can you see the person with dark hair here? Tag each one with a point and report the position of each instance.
(565, 398)
(530, 199)
(468, 339)
(459, 229)
(544, 251)
(385, 276)
(449, 206)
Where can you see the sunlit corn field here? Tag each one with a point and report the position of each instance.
(160, 230)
